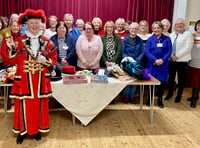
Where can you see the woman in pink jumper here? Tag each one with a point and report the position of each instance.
(89, 49)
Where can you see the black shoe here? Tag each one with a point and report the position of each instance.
(178, 99)
(169, 95)
(190, 99)
(193, 105)
(193, 102)
(38, 136)
(19, 139)
(160, 103)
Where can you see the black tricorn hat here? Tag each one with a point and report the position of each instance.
(29, 13)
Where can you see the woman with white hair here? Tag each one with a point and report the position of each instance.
(119, 28)
(80, 25)
(72, 31)
(132, 46)
(182, 42)
(166, 26)
(13, 17)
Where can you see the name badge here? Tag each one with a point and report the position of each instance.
(65, 47)
(159, 45)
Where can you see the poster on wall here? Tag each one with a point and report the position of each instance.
(191, 26)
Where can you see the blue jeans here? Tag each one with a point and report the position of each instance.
(129, 91)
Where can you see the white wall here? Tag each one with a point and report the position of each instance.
(186, 9)
(193, 11)
(180, 7)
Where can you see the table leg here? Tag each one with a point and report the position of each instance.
(141, 96)
(5, 98)
(152, 104)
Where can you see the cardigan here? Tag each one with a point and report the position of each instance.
(89, 51)
(71, 53)
(117, 48)
(74, 33)
(184, 45)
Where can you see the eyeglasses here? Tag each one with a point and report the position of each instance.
(88, 28)
(179, 24)
(134, 28)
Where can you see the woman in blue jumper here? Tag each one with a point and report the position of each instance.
(66, 54)
(132, 46)
(158, 51)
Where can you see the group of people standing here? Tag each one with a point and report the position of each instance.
(33, 49)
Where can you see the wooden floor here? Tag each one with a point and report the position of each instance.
(118, 126)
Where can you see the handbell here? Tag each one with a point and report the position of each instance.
(6, 33)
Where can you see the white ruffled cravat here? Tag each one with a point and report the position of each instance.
(34, 42)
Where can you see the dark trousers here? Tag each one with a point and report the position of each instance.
(160, 89)
(180, 68)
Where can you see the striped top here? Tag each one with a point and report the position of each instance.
(195, 62)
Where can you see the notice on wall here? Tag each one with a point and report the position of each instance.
(191, 26)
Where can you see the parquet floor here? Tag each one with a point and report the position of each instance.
(118, 126)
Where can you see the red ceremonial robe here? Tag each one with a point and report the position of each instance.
(31, 86)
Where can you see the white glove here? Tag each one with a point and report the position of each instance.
(10, 43)
(41, 59)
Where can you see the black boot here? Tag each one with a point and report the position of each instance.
(193, 102)
(160, 103)
(169, 96)
(189, 99)
(178, 98)
(38, 136)
(193, 93)
(194, 98)
(20, 139)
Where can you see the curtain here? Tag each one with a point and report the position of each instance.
(7, 7)
(134, 10)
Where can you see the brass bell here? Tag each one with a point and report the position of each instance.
(6, 33)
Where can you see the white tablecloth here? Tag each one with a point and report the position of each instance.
(86, 100)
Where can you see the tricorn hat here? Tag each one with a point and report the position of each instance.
(29, 13)
(69, 69)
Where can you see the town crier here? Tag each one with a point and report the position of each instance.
(33, 54)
